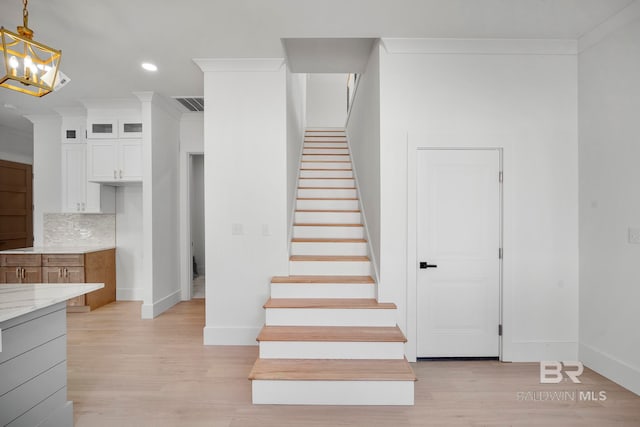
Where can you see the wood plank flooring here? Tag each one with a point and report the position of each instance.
(124, 371)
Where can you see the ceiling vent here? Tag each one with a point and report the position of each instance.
(191, 103)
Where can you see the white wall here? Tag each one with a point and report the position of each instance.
(526, 104)
(610, 204)
(363, 132)
(326, 100)
(197, 211)
(296, 124)
(129, 238)
(245, 193)
(161, 265)
(47, 172)
(15, 146)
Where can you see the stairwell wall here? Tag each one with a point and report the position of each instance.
(245, 151)
(519, 96)
(296, 124)
(363, 132)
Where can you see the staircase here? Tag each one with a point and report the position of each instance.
(327, 340)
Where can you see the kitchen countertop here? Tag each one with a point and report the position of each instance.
(56, 250)
(19, 299)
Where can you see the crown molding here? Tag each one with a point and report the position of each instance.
(239, 64)
(617, 21)
(481, 46)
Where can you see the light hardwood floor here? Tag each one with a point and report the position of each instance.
(124, 371)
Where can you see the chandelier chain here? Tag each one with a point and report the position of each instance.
(25, 13)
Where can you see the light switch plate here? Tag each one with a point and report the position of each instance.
(634, 235)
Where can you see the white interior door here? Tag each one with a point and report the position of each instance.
(458, 306)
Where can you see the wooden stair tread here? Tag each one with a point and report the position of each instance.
(323, 279)
(332, 370)
(327, 170)
(305, 224)
(340, 303)
(326, 240)
(326, 161)
(326, 188)
(329, 210)
(325, 258)
(332, 333)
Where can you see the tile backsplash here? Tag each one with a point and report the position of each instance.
(69, 229)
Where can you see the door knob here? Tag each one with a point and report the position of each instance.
(424, 265)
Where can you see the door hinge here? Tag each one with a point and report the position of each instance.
(499, 253)
(499, 330)
(500, 176)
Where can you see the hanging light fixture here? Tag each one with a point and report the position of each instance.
(28, 66)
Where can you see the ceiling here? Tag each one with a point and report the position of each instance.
(104, 42)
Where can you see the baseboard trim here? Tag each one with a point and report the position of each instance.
(616, 370)
(535, 351)
(150, 311)
(214, 335)
(129, 294)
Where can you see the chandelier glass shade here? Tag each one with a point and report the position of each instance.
(27, 66)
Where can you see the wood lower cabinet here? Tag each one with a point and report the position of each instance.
(91, 267)
(20, 268)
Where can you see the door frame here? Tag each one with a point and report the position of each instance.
(412, 242)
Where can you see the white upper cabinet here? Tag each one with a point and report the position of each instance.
(130, 128)
(102, 128)
(78, 195)
(73, 130)
(114, 161)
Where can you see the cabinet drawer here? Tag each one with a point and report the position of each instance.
(20, 260)
(63, 260)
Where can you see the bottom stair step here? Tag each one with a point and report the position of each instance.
(332, 382)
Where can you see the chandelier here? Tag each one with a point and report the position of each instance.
(27, 66)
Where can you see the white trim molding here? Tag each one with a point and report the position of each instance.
(151, 311)
(617, 21)
(239, 64)
(214, 335)
(605, 364)
(481, 46)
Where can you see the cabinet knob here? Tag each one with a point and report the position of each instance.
(59, 272)
(120, 173)
(23, 271)
(18, 273)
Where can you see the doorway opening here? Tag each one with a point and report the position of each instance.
(196, 215)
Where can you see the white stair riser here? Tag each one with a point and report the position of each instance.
(327, 183)
(326, 150)
(338, 193)
(325, 165)
(271, 392)
(326, 158)
(326, 174)
(329, 232)
(331, 204)
(329, 268)
(330, 350)
(326, 145)
(330, 317)
(328, 218)
(329, 248)
(322, 290)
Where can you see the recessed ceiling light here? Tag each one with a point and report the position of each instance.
(149, 66)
